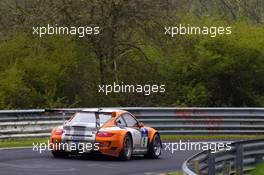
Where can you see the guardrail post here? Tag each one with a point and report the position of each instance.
(226, 168)
(63, 117)
(239, 159)
(211, 163)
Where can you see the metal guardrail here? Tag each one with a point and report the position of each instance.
(38, 123)
(241, 159)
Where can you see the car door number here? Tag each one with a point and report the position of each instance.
(144, 137)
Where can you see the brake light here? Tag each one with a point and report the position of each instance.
(58, 131)
(104, 134)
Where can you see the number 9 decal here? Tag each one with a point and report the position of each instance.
(144, 137)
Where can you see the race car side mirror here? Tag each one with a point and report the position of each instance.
(140, 124)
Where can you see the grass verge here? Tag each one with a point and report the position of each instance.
(259, 170)
(209, 137)
(7, 143)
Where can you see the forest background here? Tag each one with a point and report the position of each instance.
(65, 71)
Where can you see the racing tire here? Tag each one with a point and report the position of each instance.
(60, 154)
(154, 148)
(126, 151)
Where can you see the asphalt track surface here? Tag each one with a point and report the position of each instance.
(25, 161)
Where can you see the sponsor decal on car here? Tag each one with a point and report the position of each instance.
(144, 137)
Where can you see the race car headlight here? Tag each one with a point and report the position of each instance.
(104, 134)
(58, 131)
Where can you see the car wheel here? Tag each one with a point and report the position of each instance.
(154, 149)
(126, 152)
(60, 154)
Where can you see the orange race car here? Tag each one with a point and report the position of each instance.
(111, 132)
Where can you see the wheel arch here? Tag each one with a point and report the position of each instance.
(130, 134)
(152, 133)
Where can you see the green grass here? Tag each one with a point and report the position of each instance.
(8, 143)
(208, 137)
(259, 170)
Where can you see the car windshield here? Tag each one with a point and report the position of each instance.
(85, 117)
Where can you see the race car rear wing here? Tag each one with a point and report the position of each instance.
(63, 111)
(75, 110)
